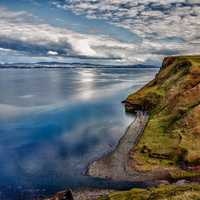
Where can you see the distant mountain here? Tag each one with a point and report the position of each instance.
(71, 65)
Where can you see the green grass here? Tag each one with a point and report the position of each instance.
(163, 192)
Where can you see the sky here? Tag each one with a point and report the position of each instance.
(101, 31)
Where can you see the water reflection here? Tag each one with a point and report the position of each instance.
(53, 122)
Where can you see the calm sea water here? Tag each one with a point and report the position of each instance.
(54, 121)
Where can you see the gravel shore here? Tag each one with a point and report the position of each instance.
(114, 165)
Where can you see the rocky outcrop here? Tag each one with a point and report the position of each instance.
(64, 195)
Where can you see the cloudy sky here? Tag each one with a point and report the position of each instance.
(104, 31)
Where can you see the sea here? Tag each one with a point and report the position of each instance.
(55, 120)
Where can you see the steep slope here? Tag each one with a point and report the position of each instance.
(171, 139)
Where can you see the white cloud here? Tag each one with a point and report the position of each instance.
(20, 34)
(52, 53)
(161, 24)
(26, 36)
(164, 26)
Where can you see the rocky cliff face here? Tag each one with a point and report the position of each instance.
(171, 138)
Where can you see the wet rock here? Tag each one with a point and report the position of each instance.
(67, 195)
(64, 195)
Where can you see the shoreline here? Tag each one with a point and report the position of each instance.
(117, 164)
(141, 120)
(81, 194)
(114, 165)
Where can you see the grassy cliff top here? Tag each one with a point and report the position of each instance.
(171, 139)
(163, 192)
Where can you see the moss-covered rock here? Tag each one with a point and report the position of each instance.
(171, 138)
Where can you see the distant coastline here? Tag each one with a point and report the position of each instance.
(68, 65)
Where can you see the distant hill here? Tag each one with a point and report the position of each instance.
(68, 65)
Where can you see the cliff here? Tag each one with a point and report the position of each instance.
(171, 139)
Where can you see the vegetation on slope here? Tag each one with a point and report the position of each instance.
(163, 192)
(171, 139)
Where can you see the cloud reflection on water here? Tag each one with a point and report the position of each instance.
(70, 118)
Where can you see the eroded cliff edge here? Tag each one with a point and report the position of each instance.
(171, 139)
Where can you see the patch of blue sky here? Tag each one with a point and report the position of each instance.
(70, 20)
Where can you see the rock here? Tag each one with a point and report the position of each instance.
(67, 195)
(181, 182)
(164, 182)
(63, 195)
